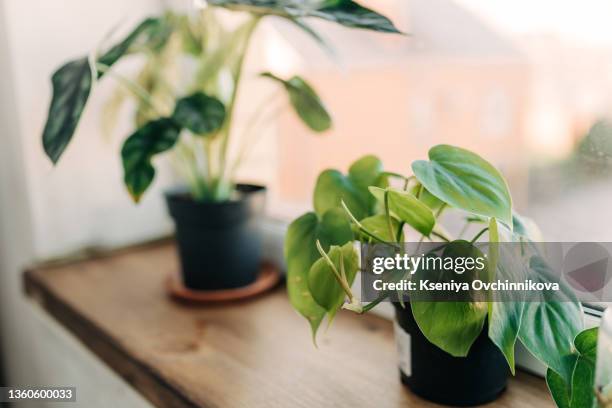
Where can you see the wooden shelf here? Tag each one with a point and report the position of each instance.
(254, 353)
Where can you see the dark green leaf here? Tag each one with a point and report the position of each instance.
(583, 377)
(71, 87)
(558, 389)
(586, 344)
(464, 180)
(351, 14)
(305, 102)
(583, 380)
(344, 12)
(200, 113)
(155, 137)
(300, 253)
(151, 28)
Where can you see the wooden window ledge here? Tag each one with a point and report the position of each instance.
(256, 353)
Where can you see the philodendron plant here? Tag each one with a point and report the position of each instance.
(195, 119)
(362, 206)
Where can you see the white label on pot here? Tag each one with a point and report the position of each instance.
(404, 354)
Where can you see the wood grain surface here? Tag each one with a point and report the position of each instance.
(255, 353)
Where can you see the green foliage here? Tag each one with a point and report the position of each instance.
(301, 253)
(71, 87)
(463, 181)
(451, 325)
(345, 12)
(207, 110)
(406, 208)
(203, 115)
(341, 263)
(547, 336)
(153, 138)
(305, 102)
(580, 391)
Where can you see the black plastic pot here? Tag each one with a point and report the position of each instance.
(219, 244)
(435, 375)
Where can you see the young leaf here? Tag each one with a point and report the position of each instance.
(155, 137)
(344, 12)
(71, 87)
(407, 208)
(379, 226)
(465, 181)
(301, 252)
(200, 113)
(411, 211)
(305, 102)
(322, 283)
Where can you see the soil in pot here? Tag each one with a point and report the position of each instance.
(219, 243)
(435, 375)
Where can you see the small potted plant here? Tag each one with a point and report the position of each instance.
(214, 215)
(461, 352)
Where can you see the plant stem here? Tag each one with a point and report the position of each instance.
(362, 228)
(250, 27)
(479, 235)
(441, 236)
(132, 86)
(341, 278)
(389, 223)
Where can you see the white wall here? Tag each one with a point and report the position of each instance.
(82, 200)
(47, 211)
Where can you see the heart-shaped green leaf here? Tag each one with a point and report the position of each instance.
(153, 138)
(201, 114)
(334, 187)
(301, 253)
(549, 325)
(344, 12)
(305, 102)
(581, 393)
(466, 181)
(451, 325)
(323, 284)
(71, 87)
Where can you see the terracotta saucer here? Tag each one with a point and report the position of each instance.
(268, 277)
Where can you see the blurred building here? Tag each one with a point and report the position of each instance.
(452, 80)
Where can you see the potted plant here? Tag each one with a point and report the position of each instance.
(214, 214)
(451, 352)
